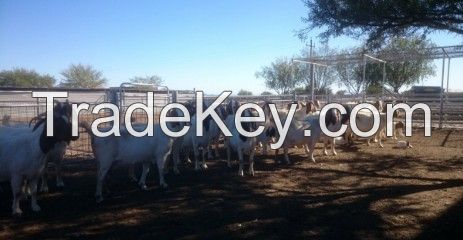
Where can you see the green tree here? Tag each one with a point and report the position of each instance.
(341, 93)
(350, 75)
(403, 73)
(282, 76)
(154, 79)
(266, 93)
(324, 77)
(243, 92)
(381, 19)
(82, 76)
(20, 77)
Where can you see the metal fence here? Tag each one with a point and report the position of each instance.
(17, 107)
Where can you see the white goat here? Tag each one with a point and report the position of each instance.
(23, 154)
(295, 136)
(365, 120)
(190, 141)
(241, 144)
(55, 155)
(343, 119)
(128, 150)
(267, 137)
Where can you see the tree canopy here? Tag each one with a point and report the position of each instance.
(266, 93)
(381, 19)
(282, 76)
(20, 77)
(153, 79)
(405, 73)
(324, 77)
(82, 76)
(243, 92)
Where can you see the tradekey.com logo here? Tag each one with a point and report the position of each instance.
(202, 113)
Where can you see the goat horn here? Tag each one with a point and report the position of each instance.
(38, 117)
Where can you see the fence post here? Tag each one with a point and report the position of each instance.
(175, 96)
(441, 111)
(38, 106)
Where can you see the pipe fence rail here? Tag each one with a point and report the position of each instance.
(17, 107)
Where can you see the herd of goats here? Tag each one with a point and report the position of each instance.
(26, 150)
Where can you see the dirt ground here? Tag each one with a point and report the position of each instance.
(363, 193)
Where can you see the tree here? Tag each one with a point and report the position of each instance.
(340, 93)
(404, 73)
(266, 93)
(381, 19)
(324, 77)
(400, 74)
(154, 79)
(350, 74)
(243, 92)
(20, 77)
(82, 76)
(281, 76)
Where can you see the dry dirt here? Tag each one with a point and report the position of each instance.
(363, 193)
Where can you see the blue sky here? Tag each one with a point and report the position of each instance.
(208, 45)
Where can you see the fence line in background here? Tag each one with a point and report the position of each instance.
(21, 107)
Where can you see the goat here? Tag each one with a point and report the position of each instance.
(398, 129)
(269, 133)
(365, 120)
(179, 146)
(55, 155)
(344, 119)
(190, 141)
(222, 112)
(23, 154)
(403, 144)
(241, 144)
(128, 150)
(295, 136)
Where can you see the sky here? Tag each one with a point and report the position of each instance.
(203, 45)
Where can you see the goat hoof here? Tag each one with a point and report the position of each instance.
(17, 213)
(251, 172)
(204, 166)
(60, 184)
(143, 187)
(381, 146)
(99, 199)
(325, 153)
(241, 173)
(335, 153)
(36, 208)
(43, 190)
